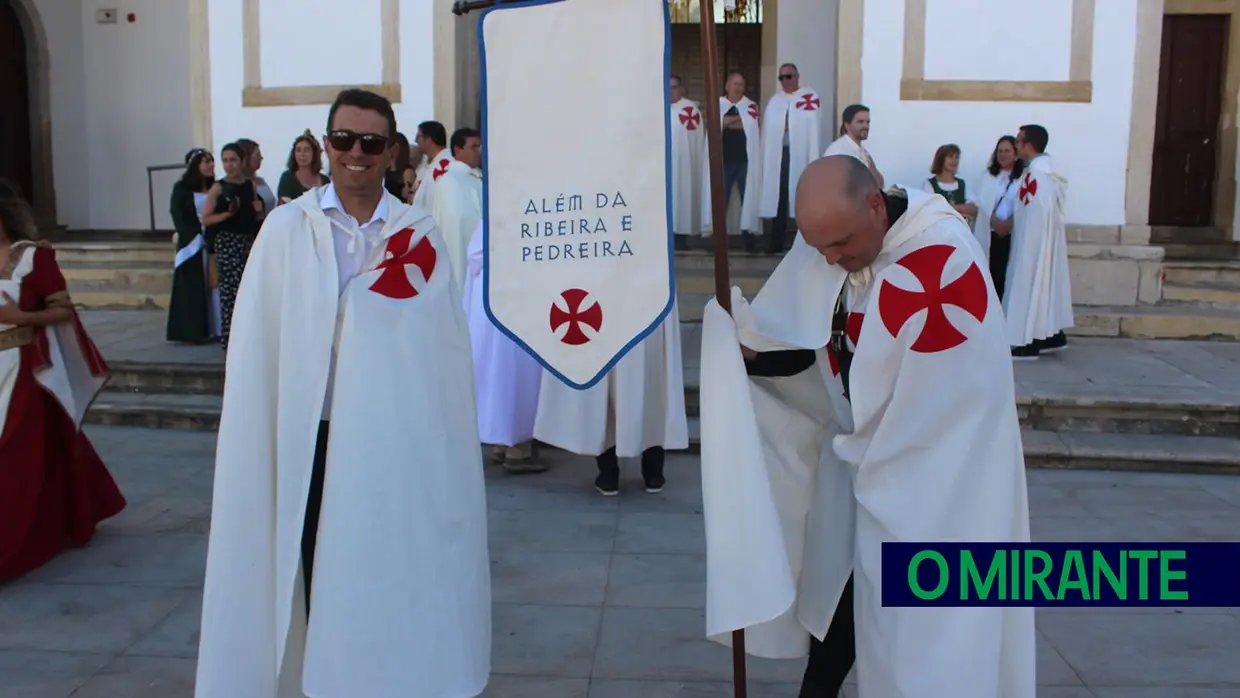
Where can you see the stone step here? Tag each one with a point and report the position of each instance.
(1224, 272)
(1161, 234)
(1214, 295)
(149, 280)
(1173, 321)
(112, 252)
(1047, 449)
(1204, 414)
(740, 264)
(703, 284)
(120, 300)
(1201, 250)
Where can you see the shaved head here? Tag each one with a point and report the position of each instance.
(841, 212)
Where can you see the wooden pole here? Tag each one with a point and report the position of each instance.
(719, 227)
(714, 144)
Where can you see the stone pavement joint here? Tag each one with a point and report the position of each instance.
(593, 597)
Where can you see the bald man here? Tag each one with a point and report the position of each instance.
(875, 404)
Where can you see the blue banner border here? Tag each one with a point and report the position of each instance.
(486, 205)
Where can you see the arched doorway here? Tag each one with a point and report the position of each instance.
(15, 133)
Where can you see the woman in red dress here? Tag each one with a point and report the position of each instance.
(54, 489)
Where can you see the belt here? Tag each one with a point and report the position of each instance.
(16, 337)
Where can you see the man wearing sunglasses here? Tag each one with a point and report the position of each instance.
(348, 549)
(791, 126)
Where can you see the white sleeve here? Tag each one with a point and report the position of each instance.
(970, 195)
(927, 187)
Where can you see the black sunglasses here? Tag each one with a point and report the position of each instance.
(372, 144)
(786, 76)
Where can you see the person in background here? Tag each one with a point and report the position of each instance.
(305, 169)
(408, 185)
(996, 201)
(252, 162)
(394, 180)
(54, 488)
(946, 184)
(189, 310)
(232, 225)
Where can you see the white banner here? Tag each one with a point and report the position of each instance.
(577, 260)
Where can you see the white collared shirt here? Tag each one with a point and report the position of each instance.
(354, 244)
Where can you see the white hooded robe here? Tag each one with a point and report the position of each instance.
(1038, 292)
(748, 111)
(688, 144)
(802, 111)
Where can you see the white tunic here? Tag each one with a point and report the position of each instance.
(801, 113)
(1038, 292)
(995, 197)
(687, 146)
(638, 405)
(457, 208)
(507, 378)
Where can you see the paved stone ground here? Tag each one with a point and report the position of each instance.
(594, 598)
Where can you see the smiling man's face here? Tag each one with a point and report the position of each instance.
(354, 169)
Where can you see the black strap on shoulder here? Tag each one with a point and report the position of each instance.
(839, 340)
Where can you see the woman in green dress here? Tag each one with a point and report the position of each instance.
(945, 183)
(189, 311)
(305, 169)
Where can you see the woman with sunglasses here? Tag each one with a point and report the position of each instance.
(232, 225)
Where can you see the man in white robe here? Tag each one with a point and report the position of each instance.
(506, 377)
(638, 409)
(457, 198)
(353, 563)
(1038, 289)
(432, 140)
(742, 164)
(688, 140)
(890, 419)
(854, 129)
(791, 126)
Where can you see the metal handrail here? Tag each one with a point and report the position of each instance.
(150, 185)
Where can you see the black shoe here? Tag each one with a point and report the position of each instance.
(1056, 342)
(682, 243)
(1029, 352)
(655, 483)
(652, 469)
(608, 483)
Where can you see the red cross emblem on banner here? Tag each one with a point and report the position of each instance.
(809, 102)
(442, 169)
(690, 118)
(575, 317)
(753, 110)
(896, 305)
(1028, 189)
(398, 256)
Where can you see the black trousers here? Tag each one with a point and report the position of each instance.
(1000, 253)
(779, 226)
(652, 461)
(314, 502)
(831, 659)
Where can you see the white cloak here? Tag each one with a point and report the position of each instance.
(988, 197)
(506, 377)
(749, 113)
(434, 170)
(457, 209)
(801, 486)
(688, 144)
(401, 600)
(1037, 296)
(639, 404)
(803, 111)
(845, 145)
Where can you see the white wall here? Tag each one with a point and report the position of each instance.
(289, 30)
(986, 40)
(137, 107)
(802, 27)
(62, 29)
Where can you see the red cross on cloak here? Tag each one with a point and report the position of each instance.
(393, 282)
(442, 169)
(852, 330)
(753, 110)
(897, 305)
(809, 102)
(690, 118)
(575, 317)
(1028, 189)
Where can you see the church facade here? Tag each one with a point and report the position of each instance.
(114, 88)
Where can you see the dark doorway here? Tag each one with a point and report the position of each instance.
(15, 136)
(1190, 87)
